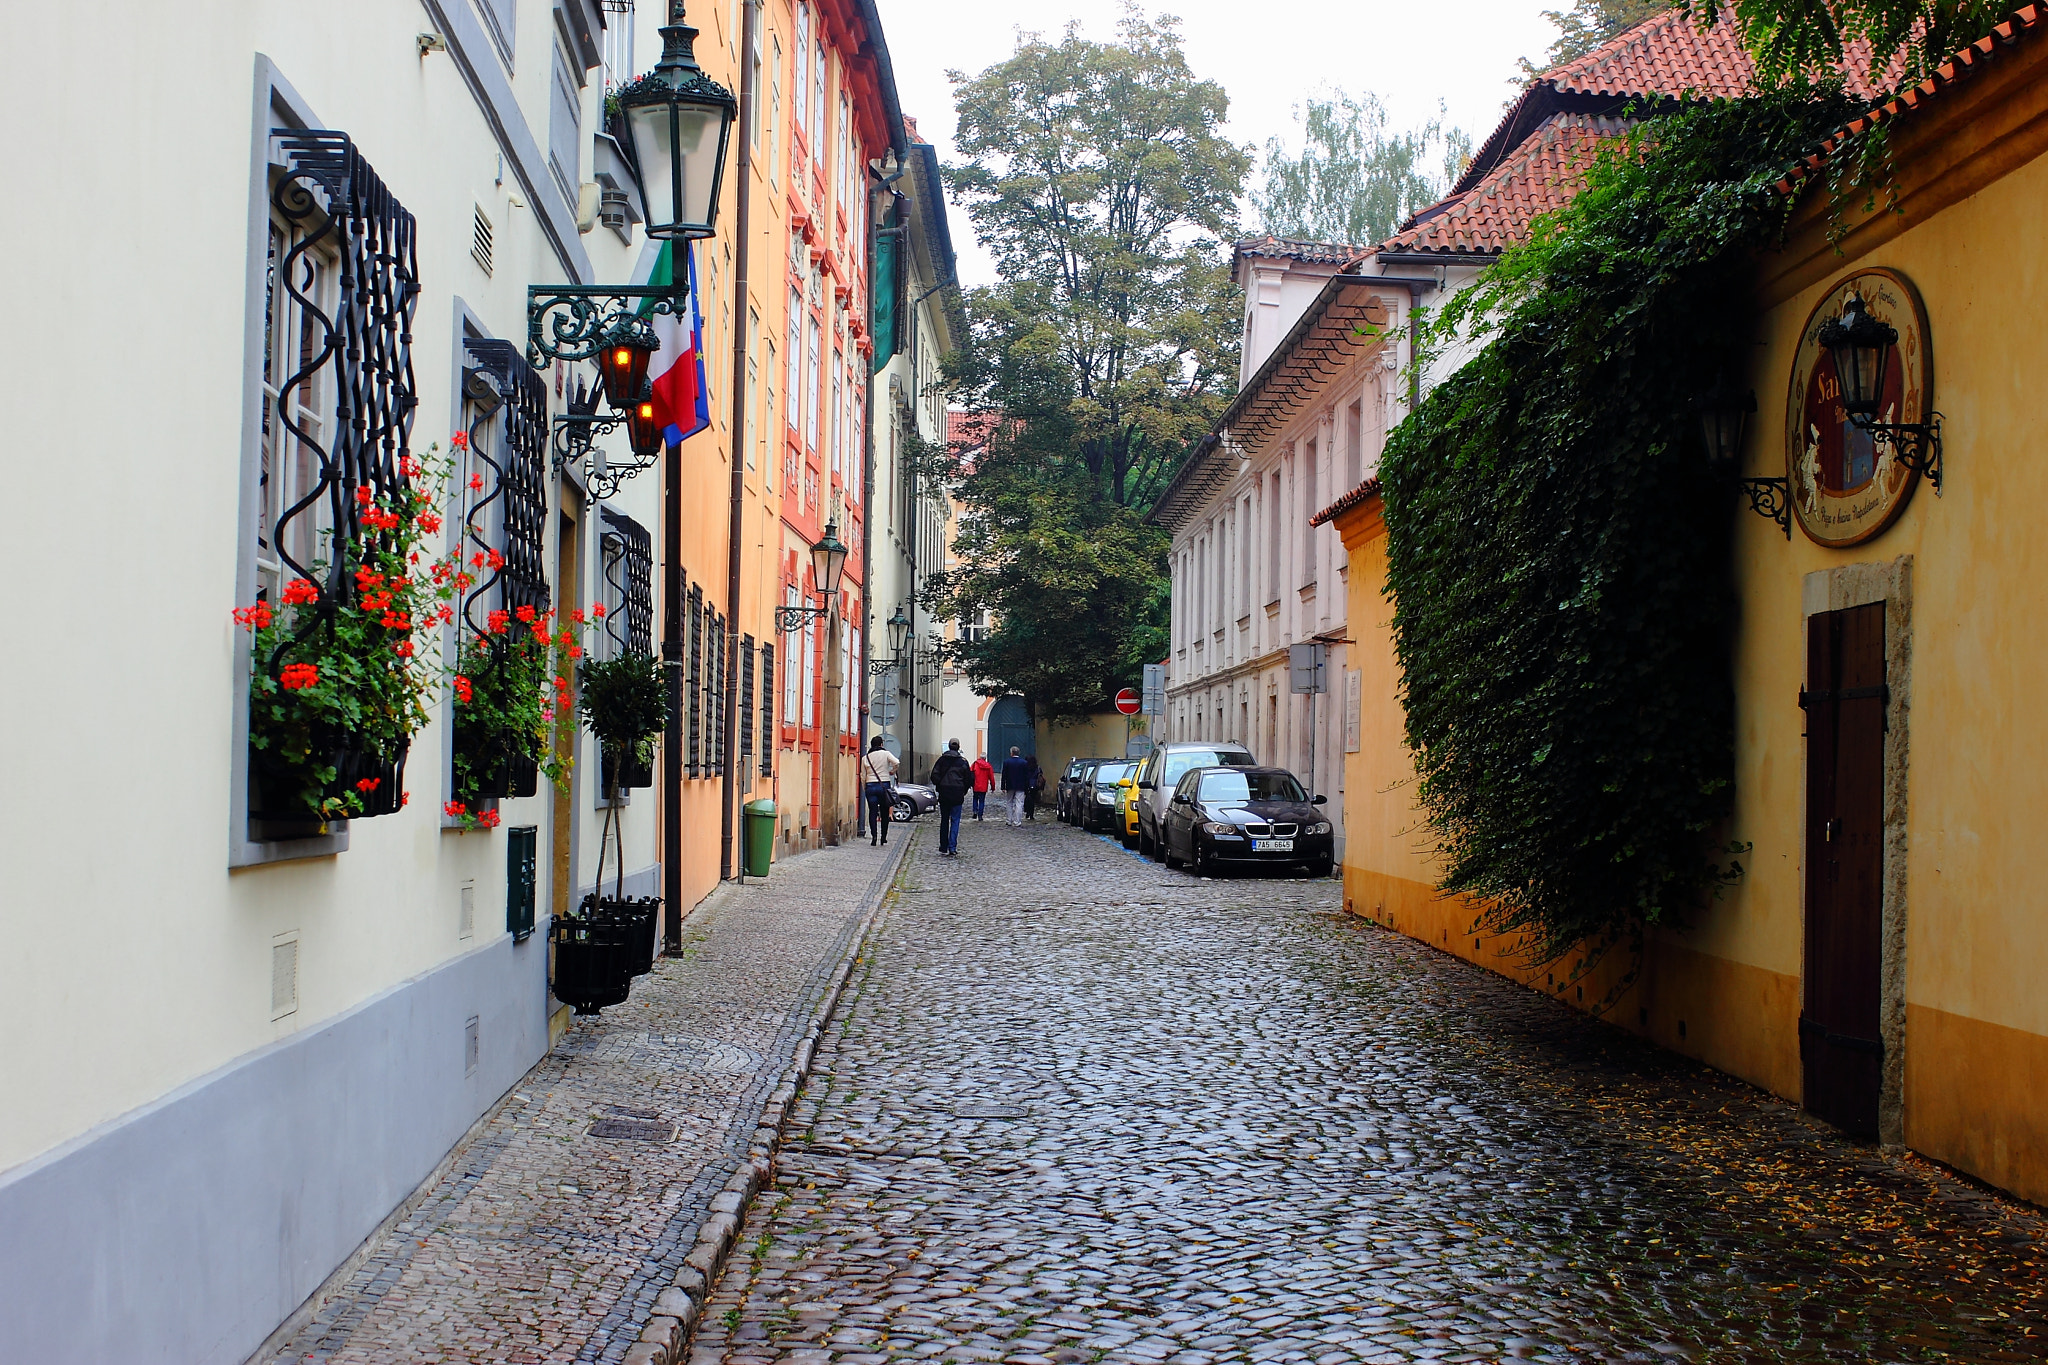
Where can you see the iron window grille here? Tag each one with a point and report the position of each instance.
(515, 493)
(746, 698)
(343, 417)
(629, 579)
(716, 704)
(767, 709)
(693, 682)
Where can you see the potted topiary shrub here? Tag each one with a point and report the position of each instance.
(625, 704)
(338, 684)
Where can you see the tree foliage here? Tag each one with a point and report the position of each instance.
(1096, 177)
(1557, 549)
(1588, 24)
(1794, 40)
(1353, 181)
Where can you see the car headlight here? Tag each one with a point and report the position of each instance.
(1104, 799)
(1218, 827)
(1319, 827)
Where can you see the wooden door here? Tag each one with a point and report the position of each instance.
(1839, 1042)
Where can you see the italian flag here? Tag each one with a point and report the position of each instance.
(682, 405)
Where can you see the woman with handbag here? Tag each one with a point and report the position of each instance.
(878, 774)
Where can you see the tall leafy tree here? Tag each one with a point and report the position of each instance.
(1097, 178)
(1589, 23)
(1353, 181)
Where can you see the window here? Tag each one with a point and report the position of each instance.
(754, 65)
(626, 587)
(794, 394)
(838, 412)
(298, 290)
(803, 60)
(1237, 788)
(693, 678)
(845, 118)
(746, 699)
(714, 694)
(1354, 445)
(774, 107)
(818, 101)
(767, 708)
(771, 417)
(753, 375)
(508, 514)
(791, 666)
(565, 120)
(810, 672)
(499, 21)
(618, 43)
(1273, 522)
(811, 380)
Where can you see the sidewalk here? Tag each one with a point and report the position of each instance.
(573, 1204)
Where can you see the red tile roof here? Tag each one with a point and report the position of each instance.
(1294, 249)
(1536, 178)
(1365, 492)
(2025, 23)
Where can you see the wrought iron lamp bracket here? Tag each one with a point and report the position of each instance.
(1770, 498)
(878, 667)
(789, 620)
(1916, 445)
(576, 321)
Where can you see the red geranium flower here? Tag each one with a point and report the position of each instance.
(365, 495)
(300, 592)
(526, 613)
(460, 440)
(489, 819)
(368, 784)
(463, 688)
(456, 808)
(296, 676)
(597, 610)
(476, 483)
(255, 617)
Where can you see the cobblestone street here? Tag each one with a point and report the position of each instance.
(1076, 1108)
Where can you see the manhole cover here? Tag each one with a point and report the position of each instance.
(633, 1130)
(990, 1111)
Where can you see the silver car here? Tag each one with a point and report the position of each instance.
(1164, 768)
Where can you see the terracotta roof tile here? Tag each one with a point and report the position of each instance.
(2024, 23)
(1294, 249)
(1365, 492)
(1538, 177)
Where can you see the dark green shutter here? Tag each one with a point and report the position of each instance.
(521, 848)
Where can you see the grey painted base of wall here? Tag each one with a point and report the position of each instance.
(184, 1232)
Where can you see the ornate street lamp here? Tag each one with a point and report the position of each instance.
(642, 427)
(1724, 414)
(623, 361)
(828, 562)
(1861, 347)
(680, 120)
(899, 636)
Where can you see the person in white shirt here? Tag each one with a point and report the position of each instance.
(878, 773)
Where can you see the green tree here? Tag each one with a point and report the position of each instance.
(1353, 181)
(1587, 24)
(1097, 179)
(1794, 39)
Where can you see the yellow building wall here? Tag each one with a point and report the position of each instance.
(1728, 989)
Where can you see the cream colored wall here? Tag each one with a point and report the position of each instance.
(137, 960)
(1100, 736)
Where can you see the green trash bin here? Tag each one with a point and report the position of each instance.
(760, 836)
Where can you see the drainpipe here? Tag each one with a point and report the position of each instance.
(729, 786)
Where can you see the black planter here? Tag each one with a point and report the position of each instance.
(634, 772)
(496, 766)
(275, 786)
(637, 913)
(594, 961)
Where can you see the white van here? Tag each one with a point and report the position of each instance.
(1164, 768)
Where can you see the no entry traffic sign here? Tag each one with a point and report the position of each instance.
(1127, 701)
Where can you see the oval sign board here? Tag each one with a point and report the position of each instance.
(1127, 701)
(1846, 487)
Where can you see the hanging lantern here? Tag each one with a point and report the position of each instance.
(1860, 345)
(680, 120)
(641, 426)
(623, 361)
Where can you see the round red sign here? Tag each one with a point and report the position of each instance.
(1127, 701)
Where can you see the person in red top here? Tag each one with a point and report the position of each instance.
(984, 778)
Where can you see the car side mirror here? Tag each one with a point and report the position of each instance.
(1181, 799)
(1318, 800)
(1146, 787)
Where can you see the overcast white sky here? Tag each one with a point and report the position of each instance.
(1267, 56)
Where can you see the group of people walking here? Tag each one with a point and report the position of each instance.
(1020, 781)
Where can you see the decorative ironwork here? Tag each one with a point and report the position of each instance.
(692, 745)
(714, 700)
(577, 321)
(1770, 498)
(1915, 445)
(789, 620)
(518, 484)
(364, 347)
(629, 568)
(746, 697)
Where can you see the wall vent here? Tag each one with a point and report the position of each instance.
(284, 978)
(480, 248)
(469, 1044)
(465, 924)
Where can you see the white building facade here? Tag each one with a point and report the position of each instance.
(1329, 333)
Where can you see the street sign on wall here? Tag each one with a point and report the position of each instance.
(1127, 701)
(1154, 700)
(1308, 667)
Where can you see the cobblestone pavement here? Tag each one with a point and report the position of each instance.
(545, 1242)
(1076, 1108)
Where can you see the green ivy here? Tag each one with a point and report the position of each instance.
(1558, 553)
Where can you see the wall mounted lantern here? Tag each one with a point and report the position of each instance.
(828, 562)
(680, 120)
(1861, 347)
(1724, 416)
(899, 636)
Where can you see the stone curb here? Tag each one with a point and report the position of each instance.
(666, 1335)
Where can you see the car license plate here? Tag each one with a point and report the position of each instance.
(1272, 845)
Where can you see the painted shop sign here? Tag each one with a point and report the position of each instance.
(1846, 487)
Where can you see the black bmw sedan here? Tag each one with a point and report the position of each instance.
(1245, 817)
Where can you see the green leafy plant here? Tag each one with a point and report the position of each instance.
(510, 683)
(338, 682)
(1557, 550)
(625, 703)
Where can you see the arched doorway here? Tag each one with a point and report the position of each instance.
(1009, 723)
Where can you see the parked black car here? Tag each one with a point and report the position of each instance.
(1246, 817)
(1066, 793)
(1098, 796)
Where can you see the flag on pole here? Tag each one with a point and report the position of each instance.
(682, 404)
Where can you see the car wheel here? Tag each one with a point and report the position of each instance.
(1166, 853)
(902, 810)
(1127, 839)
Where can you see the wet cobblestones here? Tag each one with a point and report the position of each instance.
(1076, 1108)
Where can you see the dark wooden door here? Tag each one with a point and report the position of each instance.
(1839, 1045)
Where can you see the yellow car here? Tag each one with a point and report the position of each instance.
(1127, 811)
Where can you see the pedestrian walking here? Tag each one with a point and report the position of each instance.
(878, 773)
(951, 778)
(984, 778)
(1016, 774)
(1034, 785)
